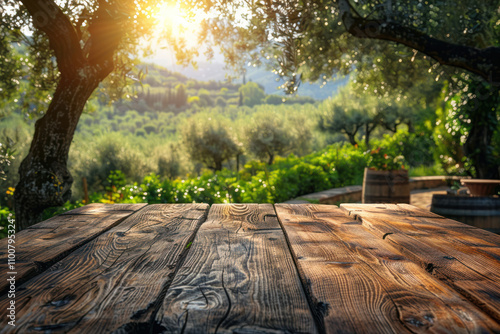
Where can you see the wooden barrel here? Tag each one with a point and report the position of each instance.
(482, 212)
(381, 186)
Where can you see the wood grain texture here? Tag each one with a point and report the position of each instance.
(43, 244)
(361, 284)
(100, 207)
(116, 282)
(238, 277)
(465, 257)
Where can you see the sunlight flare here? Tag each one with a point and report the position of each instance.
(174, 22)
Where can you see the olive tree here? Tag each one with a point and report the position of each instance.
(208, 140)
(350, 114)
(73, 47)
(269, 134)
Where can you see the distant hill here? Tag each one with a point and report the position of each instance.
(215, 71)
(314, 90)
(165, 89)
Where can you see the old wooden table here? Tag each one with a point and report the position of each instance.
(252, 268)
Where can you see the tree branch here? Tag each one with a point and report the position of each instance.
(105, 36)
(483, 62)
(63, 38)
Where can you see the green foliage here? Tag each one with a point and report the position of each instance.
(208, 140)
(115, 180)
(424, 170)
(478, 117)
(269, 134)
(450, 136)
(220, 102)
(273, 99)
(382, 158)
(111, 152)
(252, 94)
(5, 215)
(290, 177)
(302, 178)
(7, 152)
(205, 99)
(10, 66)
(193, 100)
(343, 163)
(169, 162)
(417, 148)
(349, 113)
(15, 140)
(308, 41)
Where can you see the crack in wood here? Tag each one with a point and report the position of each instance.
(229, 306)
(183, 329)
(322, 308)
(51, 328)
(204, 295)
(266, 216)
(386, 235)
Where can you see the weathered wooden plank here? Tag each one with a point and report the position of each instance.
(444, 248)
(405, 211)
(460, 230)
(238, 277)
(93, 208)
(364, 285)
(116, 282)
(478, 248)
(43, 244)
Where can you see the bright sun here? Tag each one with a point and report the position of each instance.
(169, 14)
(173, 21)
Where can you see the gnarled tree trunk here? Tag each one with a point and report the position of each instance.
(44, 177)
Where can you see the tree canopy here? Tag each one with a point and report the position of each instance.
(387, 46)
(313, 39)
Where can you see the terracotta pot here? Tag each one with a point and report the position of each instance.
(381, 186)
(480, 187)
